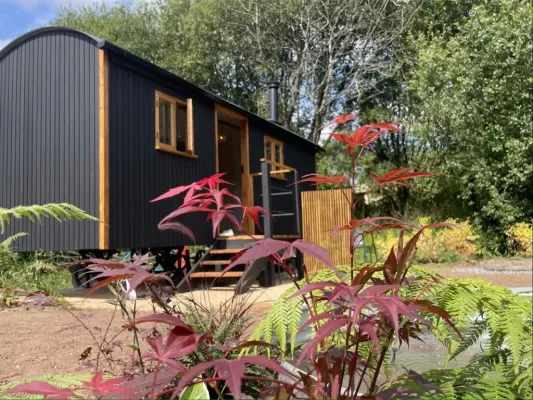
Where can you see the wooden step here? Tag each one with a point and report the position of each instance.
(245, 237)
(225, 251)
(240, 237)
(234, 274)
(215, 262)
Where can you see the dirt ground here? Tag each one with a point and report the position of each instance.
(41, 340)
(36, 341)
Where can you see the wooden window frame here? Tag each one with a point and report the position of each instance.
(173, 133)
(273, 143)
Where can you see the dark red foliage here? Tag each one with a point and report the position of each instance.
(398, 177)
(267, 247)
(41, 388)
(361, 308)
(108, 272)
(99, 387)
(364, 136)
(162, 319)
(357, 223)
(180, 342)
(320, 179)
(230, 371)
(342, 119)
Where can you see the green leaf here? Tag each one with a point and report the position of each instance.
(198, 391)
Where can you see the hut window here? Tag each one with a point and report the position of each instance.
(174, 125)
(274, 153)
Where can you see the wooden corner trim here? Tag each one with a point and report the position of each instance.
(103, 111)
(230, 113)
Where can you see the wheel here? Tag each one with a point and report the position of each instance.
(82, 278)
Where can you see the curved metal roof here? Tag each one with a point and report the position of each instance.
(36, 32)
(102, 43)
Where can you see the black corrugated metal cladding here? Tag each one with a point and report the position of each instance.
(49, 135)
(138, 172)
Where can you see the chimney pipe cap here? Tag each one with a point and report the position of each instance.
(273, 84)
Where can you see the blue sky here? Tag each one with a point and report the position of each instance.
(20, 16)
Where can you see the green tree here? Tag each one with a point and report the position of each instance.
(319, 51)
(192, 39)
(473, 104)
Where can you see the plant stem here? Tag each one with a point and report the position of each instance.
(380, 361)
(158, 299)
(136, 338)
(154, 380)
(364, 371)
(104, 337)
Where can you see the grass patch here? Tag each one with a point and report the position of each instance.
(37, 271)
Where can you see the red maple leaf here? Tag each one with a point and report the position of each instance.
(269, 247)
(357, 223)
(342, 119)
(41, 388)
(230, 371)
(180, 342)
(253, 213)
(398, 177)
(213, 180)
(168, 223)
(177, 191)
(364, 136)
(217, 216)
(209, 182)
(320, 179)
(100, 387)
(162, 319)
(120, 271)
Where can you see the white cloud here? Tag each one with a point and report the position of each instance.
(4, 42)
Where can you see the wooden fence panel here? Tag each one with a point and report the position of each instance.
(322, 210)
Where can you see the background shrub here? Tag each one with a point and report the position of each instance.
(519, 238)
(436, 246)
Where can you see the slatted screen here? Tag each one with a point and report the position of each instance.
(322, 210)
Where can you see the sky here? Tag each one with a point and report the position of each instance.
(20, 16)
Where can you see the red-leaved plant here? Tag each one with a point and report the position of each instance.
(364, 309)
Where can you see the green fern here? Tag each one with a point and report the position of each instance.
(476, 307)
(283, 320)
(60, 212)
(5, 245)
(293, 318)
(59, 380)
(504, 369)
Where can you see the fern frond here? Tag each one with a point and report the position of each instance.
(6, 243)
(293, 318)
(279, 325)
(471, 335)
(59, 380)
(267, 333)
(59, 211)
(494, 384)
(522, 381)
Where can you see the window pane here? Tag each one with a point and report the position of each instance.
(277, 153)
(165, 135)
(268, 151)
(181, 128)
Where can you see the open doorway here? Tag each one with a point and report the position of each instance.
(232, 158)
